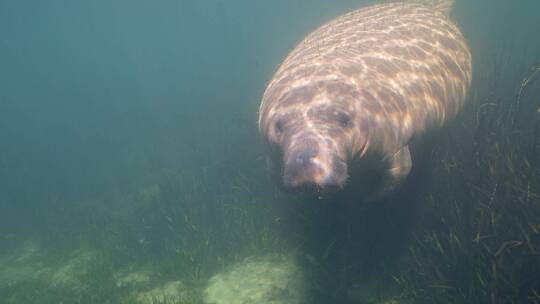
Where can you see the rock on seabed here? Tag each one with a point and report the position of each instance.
(272, 279)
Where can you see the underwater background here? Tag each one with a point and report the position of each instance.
(132, 170)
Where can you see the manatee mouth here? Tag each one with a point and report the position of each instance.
(308, 170)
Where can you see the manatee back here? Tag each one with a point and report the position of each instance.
(409, 63)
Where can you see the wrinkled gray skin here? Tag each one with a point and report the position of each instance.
(364, 85)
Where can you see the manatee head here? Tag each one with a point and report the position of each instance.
(316, 129)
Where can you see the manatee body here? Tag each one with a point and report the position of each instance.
(362, 85)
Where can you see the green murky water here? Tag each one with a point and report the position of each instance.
(132, 171)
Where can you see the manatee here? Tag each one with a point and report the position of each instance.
(359, 89)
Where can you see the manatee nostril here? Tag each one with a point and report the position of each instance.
(305, 157)
(330, 182)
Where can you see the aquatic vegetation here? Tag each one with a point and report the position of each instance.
(170, 292)
(83, 278)
(133, 279)
(481, 241)
(170, 300)
(125, 247)
(182, 235)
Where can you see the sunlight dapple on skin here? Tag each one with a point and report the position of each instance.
(363, 85)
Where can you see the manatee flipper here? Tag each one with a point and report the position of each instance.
(400, 166)
(397, 172)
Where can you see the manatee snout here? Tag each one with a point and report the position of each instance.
(311, 167)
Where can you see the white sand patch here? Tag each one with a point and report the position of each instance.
(26, 262)
(20, 263)
(273, 279)
(66, 274)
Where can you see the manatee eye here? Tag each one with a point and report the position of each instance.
(344, 119)
(279, 126)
